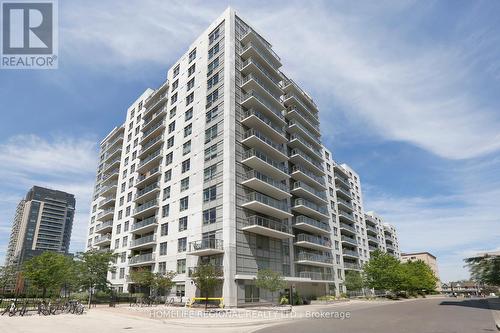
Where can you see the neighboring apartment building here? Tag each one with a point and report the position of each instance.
(426, 257)
(43, 222)
(381, 235)
(223, 164)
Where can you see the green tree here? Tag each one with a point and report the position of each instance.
(47, 271)
(92, 268)
(162, 282)
(353, 281)
(269, 280)
(417, 276)
(207, 278)
(8, 274)
(485, 269)
(142, 277)
(383, 272)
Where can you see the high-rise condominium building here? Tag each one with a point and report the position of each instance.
(223, 164)
(381, 236)
(43, 222)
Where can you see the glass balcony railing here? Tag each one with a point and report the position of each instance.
(313, 122)
(149, 174)
(264, 43)
(316, 276)
(268, 105)
(266, 120)
(346, 215)
(350, 253)
(317, 179)
(309, 204)
(152, 129)
(260, 176)
(349, 240)
(143, 240)
(310, 113)
(312, 137)
(149, 158)
(266, 200)
(150, 143)
(262, 69)
(141, 224)
(145, 206)
(351, 265)
(306, 157)
(103, 238)
(206, 244)
(268, 223)
(260, 52)
(302, 256)
(319, 194)
(312, 222)
(313, 239)
(305, 143)
(261, 84)
(104, 225)
(370, 228)
(278, 165)
(105, 212)
(348, 227)
(147, 189)
(263, 138)
(372, 238)
(142, 258)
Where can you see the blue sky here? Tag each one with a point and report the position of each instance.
(408, 93)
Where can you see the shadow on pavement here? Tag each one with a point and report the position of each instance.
(479, 303)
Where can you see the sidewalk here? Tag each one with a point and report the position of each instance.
(494, 304)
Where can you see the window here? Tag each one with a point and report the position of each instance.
(186, 148)
(183, 223)
(210, 194)
(192, 55)
(118, 228)
(167, 176)
(213, 51)
(188, 130)
(164, 229)
(183, 204)
(182, 244)
(180, 289)
(211, 133)
(181, 266)
(211, 152)
(212, 97)
(191, 70)
(177, 70)
(175, 85)
(163, 248)
(172, 112)
(212, 114)
(186, 165)
(165, 210)
(185, 184)
(210, 172)
(213, 65)
(129, 197)
(117, 243)
(173, 99)
(169, 158)
(252, 294)
(214, 35)
(162, 267)
(166, 193)
(127, 211)
(190, 84)
(209, 216)
(122, 273)
(126, 226)
(123, 257)
(124, 241)
(190, 98)
(170, 142)
(213, 81)
(171, 127)
(188, 115)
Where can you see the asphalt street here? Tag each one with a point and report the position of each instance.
(443, 315)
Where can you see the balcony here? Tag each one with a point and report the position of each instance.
(142, 259)
(371, 229)
(372, 239)
(218, 268)
(341, 181)
(346, 217)
(310, 225)
(352, 266)
(271, 78)
(292, 100)
(293, 113)
(345, 205)
(107, 202)
(346, 195)
(264, 204)
(316, 276)
(143, 242)
(313, 242)
(303, 190)
(302, 174)
(154, 119)
(347, 228)
(295, 127)
(264, 184)
(340, 171)
(255, 139)
(153, 131)
(149, 177)
(310, 209)
(113, 164)
(291, 87)
(146, 209)
(150, 146)
(267, 227)
(349, 240)
(109, 189)
(110, 155)
(154, 103)
(252, 100)
(253, 37)
(112, 175)
(104, 227)
(298, 142)
(256, 119)
(206, 247)
(149, 161)
(297, 156)
(106, 214)
(257, 160)
(252, 82)
(350, 253)
(111, 144)
(389, 247)
(146, 225)
(311, 259)
(372, 248)
(260, 54)
(103, 240)
(147, 193)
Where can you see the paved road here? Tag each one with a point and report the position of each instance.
(444, 315)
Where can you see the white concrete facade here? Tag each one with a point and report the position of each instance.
(254, 193)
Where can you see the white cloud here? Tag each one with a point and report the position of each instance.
(61, 163)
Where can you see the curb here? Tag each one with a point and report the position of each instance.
(222, 325)
(494, 304)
